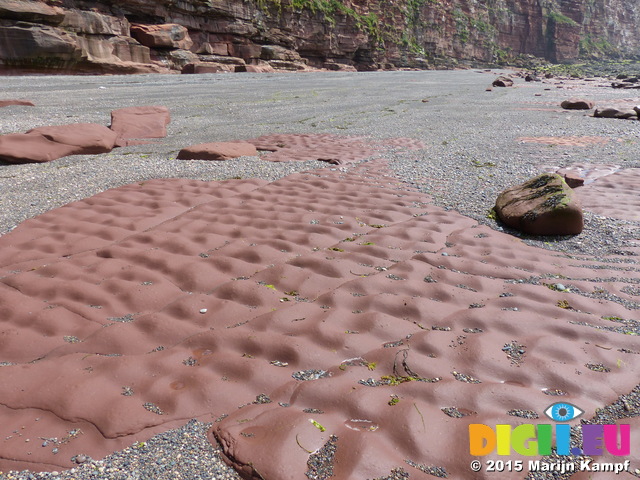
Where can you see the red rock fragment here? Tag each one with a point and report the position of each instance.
(573, 179)
(613, 112)
(6, 103)
(204, 67)
(502, 81)
(577, 104)
(44, 144)
(140, 122)
(217, 151)
(169, 35)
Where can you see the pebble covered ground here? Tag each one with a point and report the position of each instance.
(472, 153)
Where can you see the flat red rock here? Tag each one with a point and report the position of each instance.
(328, 148)
(26, 103)
(140, 122)
(44, 144)
(168, 35)
(577, 104)
(323, 299)
(217, 151)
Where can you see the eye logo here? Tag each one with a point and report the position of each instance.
(563, 412)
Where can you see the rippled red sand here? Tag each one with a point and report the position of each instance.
(616, 195)
(130, 312)
(566, 141)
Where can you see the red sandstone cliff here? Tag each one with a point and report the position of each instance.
(166, 35)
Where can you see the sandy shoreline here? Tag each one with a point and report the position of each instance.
(480, 280)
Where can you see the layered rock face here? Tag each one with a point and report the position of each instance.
(137, 36)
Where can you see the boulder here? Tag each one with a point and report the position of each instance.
(44, 144)
(175, 59)
(38, 47)
(625, 85)
(217, 151)
(94, 23)
(502, 81)
(577, 104)
(612, 112)
(276, 52)
(6, 103)
(129, 50)
(544, 205)
(168, 35)
(36, 12)
(221, 59)
(204, 67)
(140, 122)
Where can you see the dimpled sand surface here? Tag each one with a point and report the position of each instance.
(334, 322)
(203, 297)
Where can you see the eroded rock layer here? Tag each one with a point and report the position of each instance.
(142, 37)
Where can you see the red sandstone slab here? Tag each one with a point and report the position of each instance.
(44, 144)
(26, 103)
(305, 147)
(140, 122)
(320, 297)
(614, 195)
(217, 151)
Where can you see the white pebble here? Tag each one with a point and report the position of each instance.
(203, 310)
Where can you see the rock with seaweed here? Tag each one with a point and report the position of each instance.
(543, 205)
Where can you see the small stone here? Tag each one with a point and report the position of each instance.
(577, 104)
(502, 81)
(203, 310)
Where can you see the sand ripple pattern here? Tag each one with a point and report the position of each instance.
(334, 311)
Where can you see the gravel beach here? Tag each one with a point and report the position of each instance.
(472, 153)
(473, 150)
